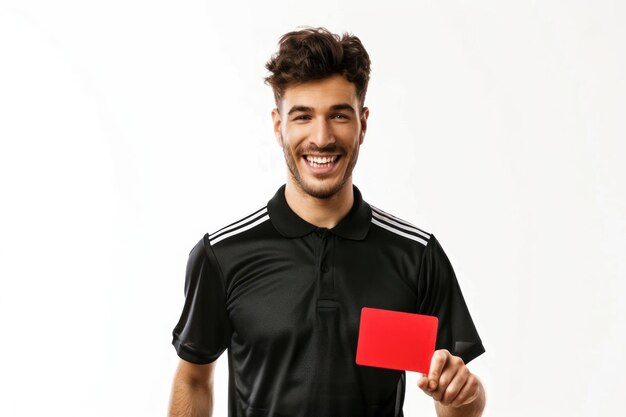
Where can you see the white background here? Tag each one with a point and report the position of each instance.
(129, 128)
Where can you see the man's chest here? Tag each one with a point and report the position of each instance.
(286, 288)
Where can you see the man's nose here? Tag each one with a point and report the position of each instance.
(322, 134)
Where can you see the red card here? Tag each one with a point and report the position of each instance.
(396, 340)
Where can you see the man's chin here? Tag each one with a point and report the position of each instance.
(321, 191)
(321, 194)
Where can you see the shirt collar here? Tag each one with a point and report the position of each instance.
(354, 225)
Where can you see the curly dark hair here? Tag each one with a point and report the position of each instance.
(315, 53)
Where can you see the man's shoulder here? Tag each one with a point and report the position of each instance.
(397, 228)
(245, 224)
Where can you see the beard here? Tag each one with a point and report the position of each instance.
(322, 189)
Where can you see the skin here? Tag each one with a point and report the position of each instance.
(456, 391)
(320, 118)
(324, 118)
(192, 390)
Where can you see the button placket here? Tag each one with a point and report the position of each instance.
(324, 270)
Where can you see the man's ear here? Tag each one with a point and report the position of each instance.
(365, 113)
(277, 122)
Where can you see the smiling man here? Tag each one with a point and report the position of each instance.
(324, 126)
(282, 289)
(320, 125)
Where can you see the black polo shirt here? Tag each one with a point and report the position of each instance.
(284, 297)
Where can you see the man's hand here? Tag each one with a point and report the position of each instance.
(452, 385)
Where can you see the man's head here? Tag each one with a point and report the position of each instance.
(319, 81)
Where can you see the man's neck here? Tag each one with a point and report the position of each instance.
(326, 212)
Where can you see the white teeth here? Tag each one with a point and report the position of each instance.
(321, 159)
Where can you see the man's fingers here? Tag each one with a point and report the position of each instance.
(422, 383)
(449, 381)
(468, 393)
(445, 379)
(455, 386)
(437, 363)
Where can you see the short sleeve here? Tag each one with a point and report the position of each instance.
(440, 295)
(203, 331)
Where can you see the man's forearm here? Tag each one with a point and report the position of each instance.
(191, 400)
(473, 409)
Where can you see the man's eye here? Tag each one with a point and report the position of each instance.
(302, 117)
(340, 116)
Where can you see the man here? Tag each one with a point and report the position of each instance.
(282, 289)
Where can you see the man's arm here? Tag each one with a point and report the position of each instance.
(192, 390)
(456, 391)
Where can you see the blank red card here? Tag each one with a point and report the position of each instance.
(396, 340)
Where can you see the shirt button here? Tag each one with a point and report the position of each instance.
(325, 268)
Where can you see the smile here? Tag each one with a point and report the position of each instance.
(321, 161)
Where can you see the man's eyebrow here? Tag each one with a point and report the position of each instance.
(343, 106)
(303, 109)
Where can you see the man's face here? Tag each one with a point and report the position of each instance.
(320, 127)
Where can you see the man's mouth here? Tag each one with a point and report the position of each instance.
(321, 161)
